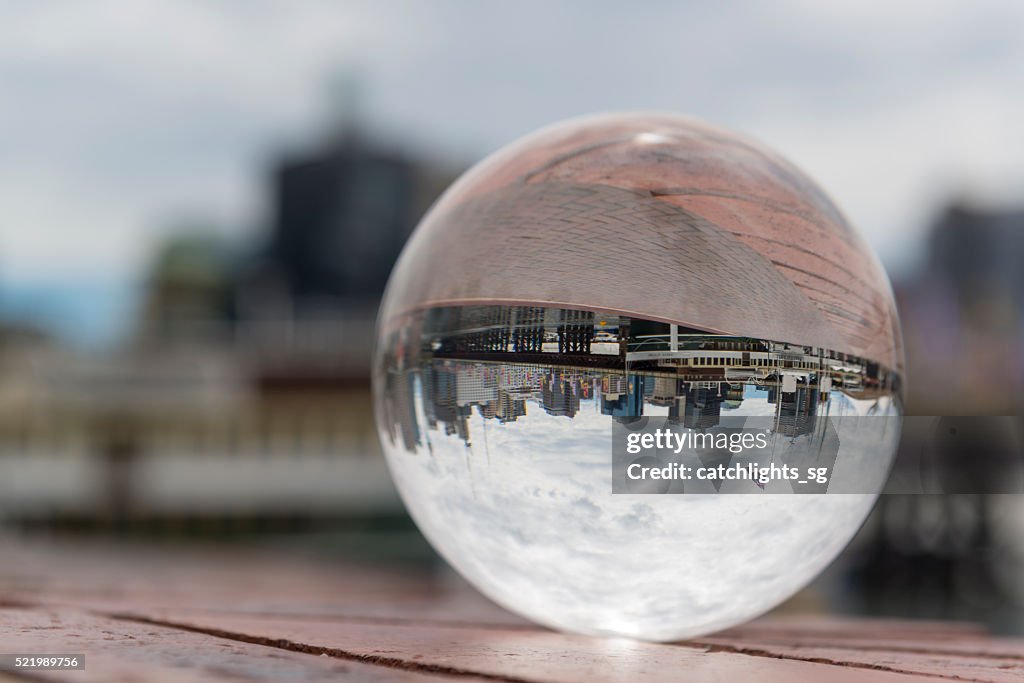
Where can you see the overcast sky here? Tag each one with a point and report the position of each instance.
(118, 118)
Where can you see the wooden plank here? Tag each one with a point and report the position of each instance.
(516, 654)
(239, 581)
(118, 650)
(1010, 649)
(974, 667)
(12, 678)
(261, 614)
(829, 626)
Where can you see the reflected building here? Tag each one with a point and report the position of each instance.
(560, 397)
(444, 401)
(509, 408)
(628, 401)
(797, 409)
(664, 391)
(404, 389)
(702, 407)
(476, 385)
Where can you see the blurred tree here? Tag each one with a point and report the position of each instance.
(188, 289)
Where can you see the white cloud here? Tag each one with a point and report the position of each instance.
(118, 114)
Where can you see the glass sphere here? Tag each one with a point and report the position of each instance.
(620, 267)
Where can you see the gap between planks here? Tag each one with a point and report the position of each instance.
(398, 663)
(317, 650)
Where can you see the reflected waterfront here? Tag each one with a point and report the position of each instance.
(508, 364)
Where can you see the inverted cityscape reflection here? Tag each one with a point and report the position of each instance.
(479, 365)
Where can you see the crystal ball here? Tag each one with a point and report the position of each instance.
(633, 267)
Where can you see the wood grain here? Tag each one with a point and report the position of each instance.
(173, 614)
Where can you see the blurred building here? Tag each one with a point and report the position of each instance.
(300, 305)
(243, 393)
(342, 216)
(979, 251)
(305, 303)
(963, 315)
(954, 556)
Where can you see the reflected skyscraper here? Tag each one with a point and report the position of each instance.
(628, 401)
(702, 405)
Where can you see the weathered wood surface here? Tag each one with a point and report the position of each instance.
(168, 615)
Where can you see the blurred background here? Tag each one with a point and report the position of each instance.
(200, 204)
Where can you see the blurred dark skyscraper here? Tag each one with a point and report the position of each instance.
(308, 298)
(964, 310)
(341, 216)
(300, 303)
(980, 250)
